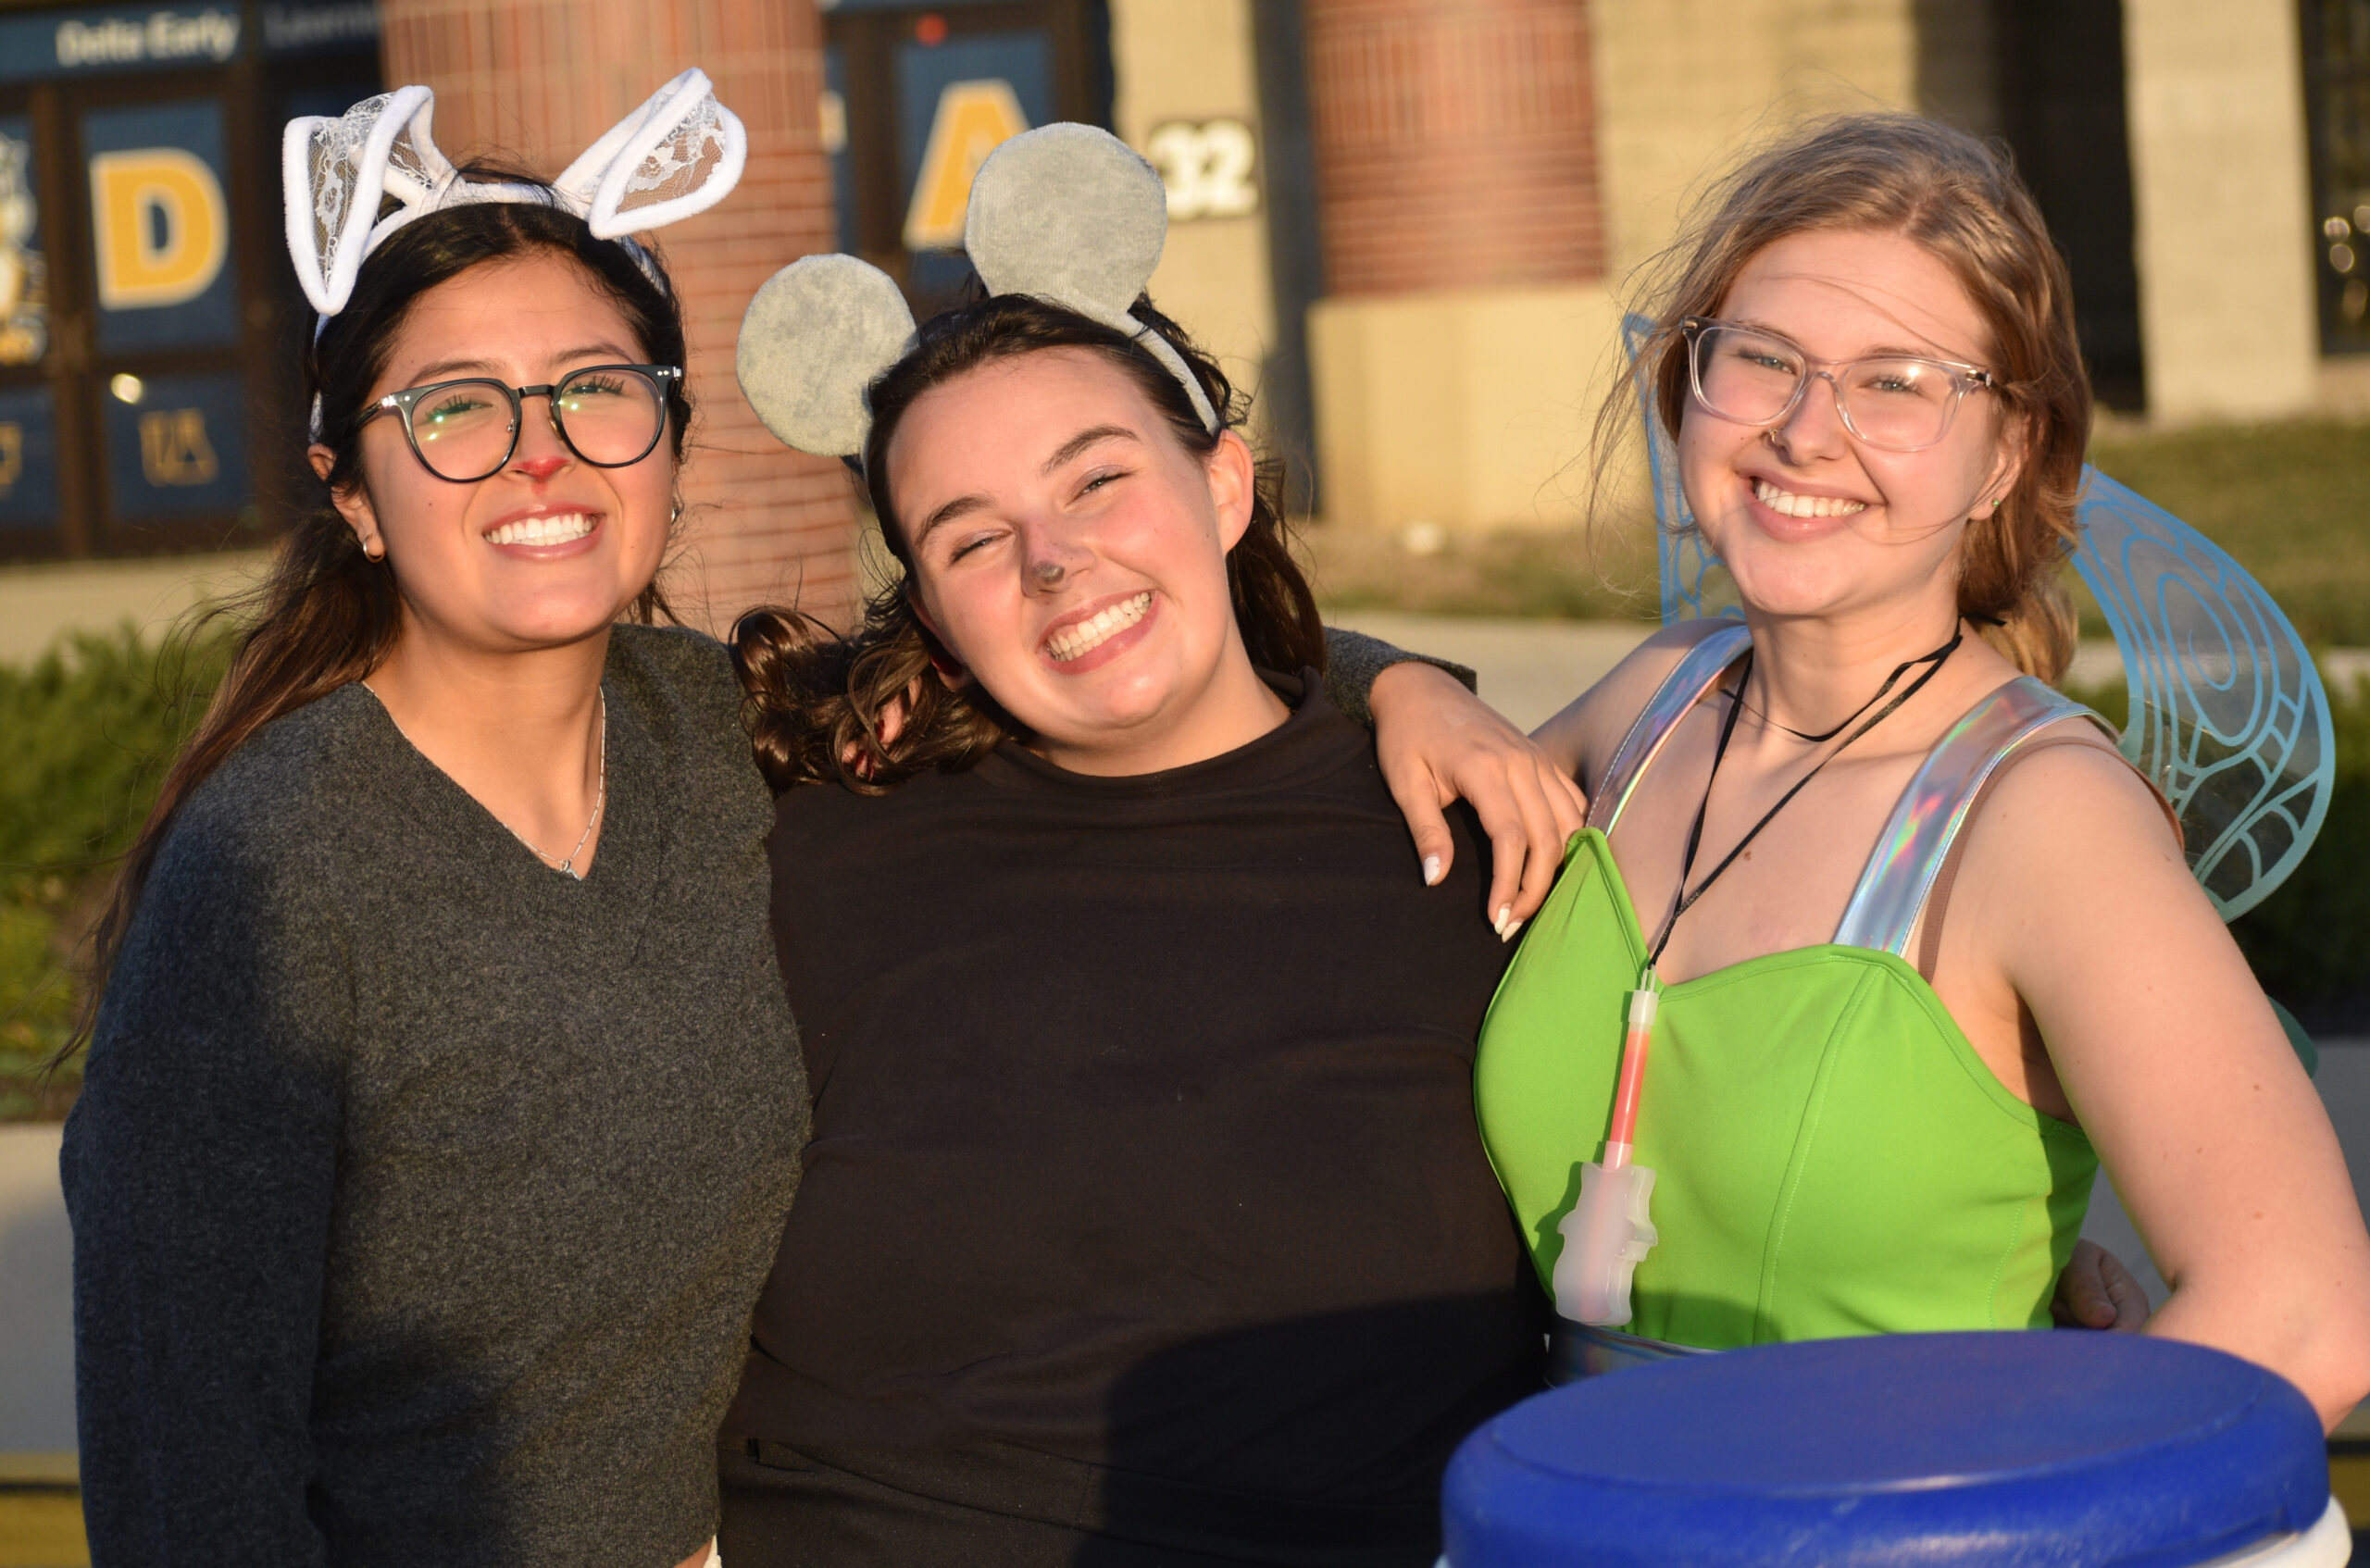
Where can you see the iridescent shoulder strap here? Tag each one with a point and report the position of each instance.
(1927, 819)
(1723, 641)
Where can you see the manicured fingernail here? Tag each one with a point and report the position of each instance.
(1431, 871)
(1505, 913)
(1508, 934)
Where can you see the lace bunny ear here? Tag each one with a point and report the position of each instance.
(337, 171)
(680, 152)
(813, 338)
(1071, 214)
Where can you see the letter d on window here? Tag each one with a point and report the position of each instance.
(160, 227)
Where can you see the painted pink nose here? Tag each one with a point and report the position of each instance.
(541, 468)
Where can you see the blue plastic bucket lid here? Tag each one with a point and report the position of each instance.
(2090, 1450)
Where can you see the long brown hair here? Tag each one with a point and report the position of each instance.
(1960, 198)
(327, 614)
(816, 702)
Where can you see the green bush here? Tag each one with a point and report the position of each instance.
(85, 734)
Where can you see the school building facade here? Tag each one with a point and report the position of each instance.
(1405, 224)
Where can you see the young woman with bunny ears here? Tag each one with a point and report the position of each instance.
(442, 1104)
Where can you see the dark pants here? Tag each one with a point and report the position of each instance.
(1002, 1506)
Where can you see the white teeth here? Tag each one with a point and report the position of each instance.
(557, 529)
(1091, 633)
(1790, 504)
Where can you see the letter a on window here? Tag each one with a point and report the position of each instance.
(973, 118)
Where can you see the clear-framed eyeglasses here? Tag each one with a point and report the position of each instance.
(464, 430)
(1899, 403)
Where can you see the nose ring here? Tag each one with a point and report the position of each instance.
(1050, 573)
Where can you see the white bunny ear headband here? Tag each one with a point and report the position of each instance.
(680, 152)
(1067, 213)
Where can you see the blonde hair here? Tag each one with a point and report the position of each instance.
(1959, 199)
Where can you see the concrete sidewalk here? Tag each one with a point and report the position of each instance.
(36, 1309)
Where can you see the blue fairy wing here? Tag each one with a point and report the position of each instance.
(1693, 583)
(2228, 716)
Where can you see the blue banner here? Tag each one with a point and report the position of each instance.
(176, 446)
(312, 29)
(161, 226)
(110, 39)
(104, 41)
(28, 459)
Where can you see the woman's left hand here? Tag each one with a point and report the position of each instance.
(1438, 743)
(2098, 1291)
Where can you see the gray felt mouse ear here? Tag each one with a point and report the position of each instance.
(1068, 213)
(813, 338)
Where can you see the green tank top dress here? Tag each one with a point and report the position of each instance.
(1833, 1157)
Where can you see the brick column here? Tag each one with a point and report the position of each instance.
(540, 80)
(1455, 143)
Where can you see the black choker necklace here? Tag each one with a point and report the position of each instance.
(1935, 658)
(1684, 899)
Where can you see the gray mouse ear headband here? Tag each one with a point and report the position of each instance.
(680, 152)
(1067, 213)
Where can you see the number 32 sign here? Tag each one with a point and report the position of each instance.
(1207, 166)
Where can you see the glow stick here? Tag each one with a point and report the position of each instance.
(1623, 1134)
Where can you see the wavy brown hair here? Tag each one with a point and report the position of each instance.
(816, 702)
(327, 614)
(1960, 198)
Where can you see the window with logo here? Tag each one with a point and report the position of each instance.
(147, 311)
(917, 96)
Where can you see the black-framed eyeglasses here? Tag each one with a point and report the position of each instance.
(1901, 402)
(464, 430)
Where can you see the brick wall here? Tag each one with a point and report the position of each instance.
(1454, 144)
(541, 79)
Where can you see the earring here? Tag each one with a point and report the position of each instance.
(372, 550)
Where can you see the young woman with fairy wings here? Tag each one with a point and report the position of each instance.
(1867, 354)
(441, 1105)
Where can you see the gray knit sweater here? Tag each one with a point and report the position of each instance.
(419, 1191)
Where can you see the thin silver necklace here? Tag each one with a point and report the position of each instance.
(600, 792)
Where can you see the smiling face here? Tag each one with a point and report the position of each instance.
(1070, 552)
(550, 550)
(1810, 520)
